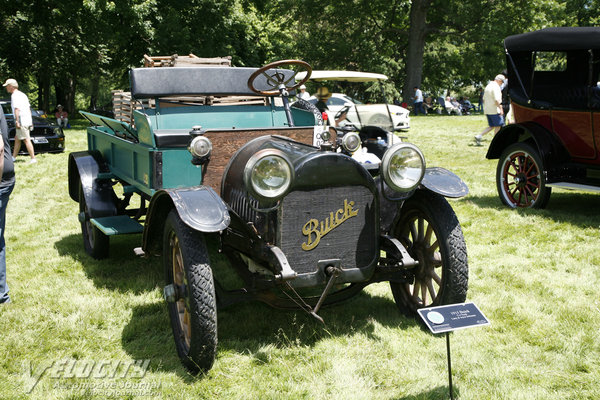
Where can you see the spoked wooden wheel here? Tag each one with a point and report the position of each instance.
(180, 281)
(430, 232)
(192, 303)
(520, 178)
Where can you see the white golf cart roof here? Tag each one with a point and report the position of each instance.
(347, 76)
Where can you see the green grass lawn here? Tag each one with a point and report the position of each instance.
(534, 274)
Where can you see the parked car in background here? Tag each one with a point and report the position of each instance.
(387, 116)
(553, 77)
(253, 201)
(47, 137)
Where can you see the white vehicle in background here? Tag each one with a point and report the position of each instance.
(373, 124)
(387, 116)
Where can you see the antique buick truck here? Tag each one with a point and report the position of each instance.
(262, 202)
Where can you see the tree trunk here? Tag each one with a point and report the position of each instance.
(44, 91)
(65, 93)
(416, 48)
(94, 91)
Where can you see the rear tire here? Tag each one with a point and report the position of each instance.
(520, 177)
(95, 243)
(194, 314)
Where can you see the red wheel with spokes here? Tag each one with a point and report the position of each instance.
(520, 178)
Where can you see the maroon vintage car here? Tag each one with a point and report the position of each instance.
(553, 78)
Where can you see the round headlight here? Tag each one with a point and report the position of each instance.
(403, 167)
(268, 174)
(200, 146)
(351, 142)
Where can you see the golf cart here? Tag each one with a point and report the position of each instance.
(376, 124)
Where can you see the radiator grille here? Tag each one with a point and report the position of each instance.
(346, 216)
(242, 204)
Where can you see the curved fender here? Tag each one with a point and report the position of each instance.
(444, 182)
(548, 144)
(198, 207)
(84, 168)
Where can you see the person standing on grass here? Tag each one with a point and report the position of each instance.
(7, 184)
(492, 107)
(418, 104)
(23, 121)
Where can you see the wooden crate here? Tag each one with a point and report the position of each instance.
(123, 105)
(190, 60)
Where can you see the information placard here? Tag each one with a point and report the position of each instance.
(452, 317)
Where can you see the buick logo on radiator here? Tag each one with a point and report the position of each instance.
(314, 230)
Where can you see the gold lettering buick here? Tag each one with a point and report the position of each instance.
(314, 230)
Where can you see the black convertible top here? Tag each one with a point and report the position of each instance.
(560, 39)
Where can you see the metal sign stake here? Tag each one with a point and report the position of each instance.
(449, 366)
(448, 318)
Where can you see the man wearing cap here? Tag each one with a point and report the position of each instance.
(492, 107)
(322, 96)
(7, 183)
(304, 95)
(62, 117)
(22, 114)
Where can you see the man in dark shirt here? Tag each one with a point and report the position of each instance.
(7, 184)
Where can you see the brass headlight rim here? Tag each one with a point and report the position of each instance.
(385, 166)
(347, 137)
(249, 169)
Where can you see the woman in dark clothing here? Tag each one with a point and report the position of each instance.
(7, 184)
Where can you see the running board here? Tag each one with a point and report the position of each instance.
(117, 225)
(574, 186)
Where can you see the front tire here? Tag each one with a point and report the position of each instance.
(194, 313)
(430, 232)
(520, 177)
(95, 243)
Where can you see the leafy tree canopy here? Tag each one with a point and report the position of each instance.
(75, 51)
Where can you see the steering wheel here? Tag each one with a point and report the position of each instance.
(343, 110)
(275, 79)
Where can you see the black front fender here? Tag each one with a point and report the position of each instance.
(198, 207)
(444, 182)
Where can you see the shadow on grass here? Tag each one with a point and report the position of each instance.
(244, 328)
(579, 209)
(440, 392)
(121, 271)
(247, 328)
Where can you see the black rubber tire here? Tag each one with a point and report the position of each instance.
(308, 106)
(95, 243)
(184, 249)
(426, 219)
(520, 177)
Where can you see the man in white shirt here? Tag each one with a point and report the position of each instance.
(418, 104)
(492, 107)
(22, 115)
(304, 95)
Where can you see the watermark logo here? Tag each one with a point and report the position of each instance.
(104, 375)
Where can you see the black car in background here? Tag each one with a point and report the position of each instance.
(47, 137)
